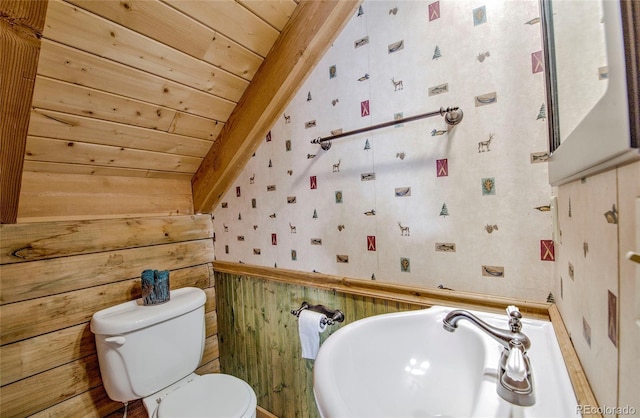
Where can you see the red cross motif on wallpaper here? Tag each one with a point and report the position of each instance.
(274, 239)
(536, 62)
(269, 136)
(434, 11)
(371, 242)
(313, 182)
(547, 250)
(442, 168)
(364, 108)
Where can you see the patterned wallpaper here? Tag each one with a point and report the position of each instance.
(597, 288)
(419, 203)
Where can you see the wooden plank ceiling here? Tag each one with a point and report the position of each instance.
(180, 90)
(142, 88)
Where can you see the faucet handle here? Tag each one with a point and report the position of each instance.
(514, 318)
(512, 309)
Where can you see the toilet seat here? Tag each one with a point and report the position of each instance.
(211, 395)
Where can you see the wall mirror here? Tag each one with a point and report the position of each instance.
(591, 65)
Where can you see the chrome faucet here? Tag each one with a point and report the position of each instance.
(515, 377)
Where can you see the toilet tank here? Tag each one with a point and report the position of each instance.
(142, 349)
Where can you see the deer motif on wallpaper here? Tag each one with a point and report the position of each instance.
(336, 167)
(292, 228)
(404, 230)
(397, 85)
(484, 145)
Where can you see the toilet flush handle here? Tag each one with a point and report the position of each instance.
(115, 340)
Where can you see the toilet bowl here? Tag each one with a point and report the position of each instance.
(210, 395)
(151, 352)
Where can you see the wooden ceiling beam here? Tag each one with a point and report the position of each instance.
(21, 25)
(304, 40)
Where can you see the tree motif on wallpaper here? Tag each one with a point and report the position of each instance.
(436, 53)
(404, 230)
(309, 97)
(444, 211)
(367, 145)
(542, 113)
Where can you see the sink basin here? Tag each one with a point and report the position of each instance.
(406, 365)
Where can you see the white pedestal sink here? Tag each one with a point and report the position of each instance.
(406, 365)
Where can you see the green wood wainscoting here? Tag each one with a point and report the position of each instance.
(258, 335)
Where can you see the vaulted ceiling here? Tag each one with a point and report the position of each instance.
(168, 88)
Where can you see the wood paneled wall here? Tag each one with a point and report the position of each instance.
(55, 275)
(259, 337)
(61, 196)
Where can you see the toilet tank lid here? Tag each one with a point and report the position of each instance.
(133, 315)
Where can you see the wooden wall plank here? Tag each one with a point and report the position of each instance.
(74, 152)
(276, 13)
(30, 242)
(80, 100)
(233, 20)
(78, 28)
(45, 168)
(89, 197)
(64, 274)
(196, 126)
(91, 404)
(36, 393)
(44, 352)
(311, 29)
(68, 64)
(50, 124)
(167, 25)
(21, 25)
(35, 317)
(155, 20)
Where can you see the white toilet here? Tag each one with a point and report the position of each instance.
(151, 352)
